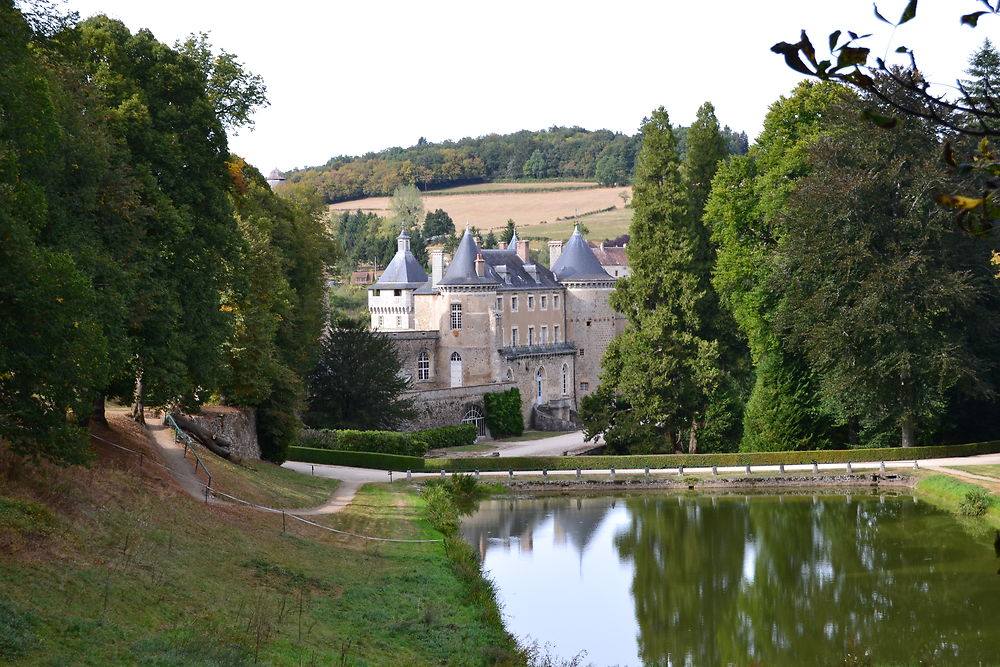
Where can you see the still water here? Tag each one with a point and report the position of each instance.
(767, 579)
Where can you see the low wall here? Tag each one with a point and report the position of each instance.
(447, 407)
(237, 425)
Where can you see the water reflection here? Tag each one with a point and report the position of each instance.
(654, 579)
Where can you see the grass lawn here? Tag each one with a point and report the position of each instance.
(986, 471)
(533, 435)
(111, 565)
(264, 483)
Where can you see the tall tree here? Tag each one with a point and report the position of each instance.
(706, 148)
(438, 223)
(890, 304)
(743, 209)
(666, 363)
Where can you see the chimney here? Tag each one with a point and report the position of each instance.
(522, 251)
(555, 249)
(437, 266)
(480, 265)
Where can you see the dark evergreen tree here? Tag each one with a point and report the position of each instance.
(438, 223)
(357, 382)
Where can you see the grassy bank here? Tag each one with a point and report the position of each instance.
(949, 493)
(117, 566)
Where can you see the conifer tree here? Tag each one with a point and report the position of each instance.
(665, 365)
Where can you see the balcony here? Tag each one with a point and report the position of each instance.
(518, 351)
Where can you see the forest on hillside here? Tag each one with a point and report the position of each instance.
(556, 153)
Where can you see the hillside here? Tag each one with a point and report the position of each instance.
(117, 565)
(537, 208)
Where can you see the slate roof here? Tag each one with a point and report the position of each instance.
(610, 255)
(577, 261)
(275, 175)
(519, 276)
(462, 270)
(404, 271)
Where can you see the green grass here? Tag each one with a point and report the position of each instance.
(986, 471)
(475, 447)
(606, 225)
(512, 186)
(949, 492)
(139, 573)
(264, 483)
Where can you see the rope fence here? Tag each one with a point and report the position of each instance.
(263, 508)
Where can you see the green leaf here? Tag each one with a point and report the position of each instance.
(909, 12)
(884, 122)
(902, 49)
(791, 54)
(972, 19)
(949, 155)
(834, 37)
(851, 56)
(879, 16)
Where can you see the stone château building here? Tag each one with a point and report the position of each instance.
(493, 319)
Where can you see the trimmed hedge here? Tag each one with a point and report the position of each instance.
(449, 436)
(355, 459)
(382, 442)
(705, 460)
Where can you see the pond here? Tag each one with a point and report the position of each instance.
(725, 579)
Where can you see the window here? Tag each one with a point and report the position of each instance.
(513, 336)
(513, 304)
(555, 302)
(397, 292)
(545, 335)
(456, 316)
(581, 351)
(565, 375)
(399, 321)
(584, 386)
(376, 292)
(555, 334)
(543, 302)
(381, 321)
(531, 335)
(424, 366)
(539, 385)
(588, 323)
(499, 303)
(531, 302)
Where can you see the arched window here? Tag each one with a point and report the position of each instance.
(474, 415)
(510, 374)
(565, 375)
(539, 378)
(456, 369)
(424, 366)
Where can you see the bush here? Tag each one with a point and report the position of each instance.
(976, 503)
(372, 460)
(448, 436)
(503, 413)
(383, 442)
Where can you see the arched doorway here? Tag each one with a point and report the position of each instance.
(456, 369)
(474, 415)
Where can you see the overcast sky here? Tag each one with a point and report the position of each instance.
(345, 78)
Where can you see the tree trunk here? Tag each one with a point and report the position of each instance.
(97, 414)
(693, 439)
(138, 407)
(215, 444)
(909, 428)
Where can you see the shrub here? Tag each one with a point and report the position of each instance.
(503, 413)
(976, 503)
(441, 510)
(372, 460)
(448, 436)
(383, 442)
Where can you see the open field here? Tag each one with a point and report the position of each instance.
(605, 225)
(514, 186)
(490, 210)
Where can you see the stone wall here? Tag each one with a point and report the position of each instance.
(523, 373)
(408, 346)
(591, 324)
(237, 425)
(447, 407)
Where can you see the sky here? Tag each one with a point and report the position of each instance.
(346, 77)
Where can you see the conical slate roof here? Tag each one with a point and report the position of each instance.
(404, 271)
(276, 175)
(462, 270)
(512, 245)
(577, 261)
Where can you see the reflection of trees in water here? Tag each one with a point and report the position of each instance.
(723, 581)
(575, 520)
